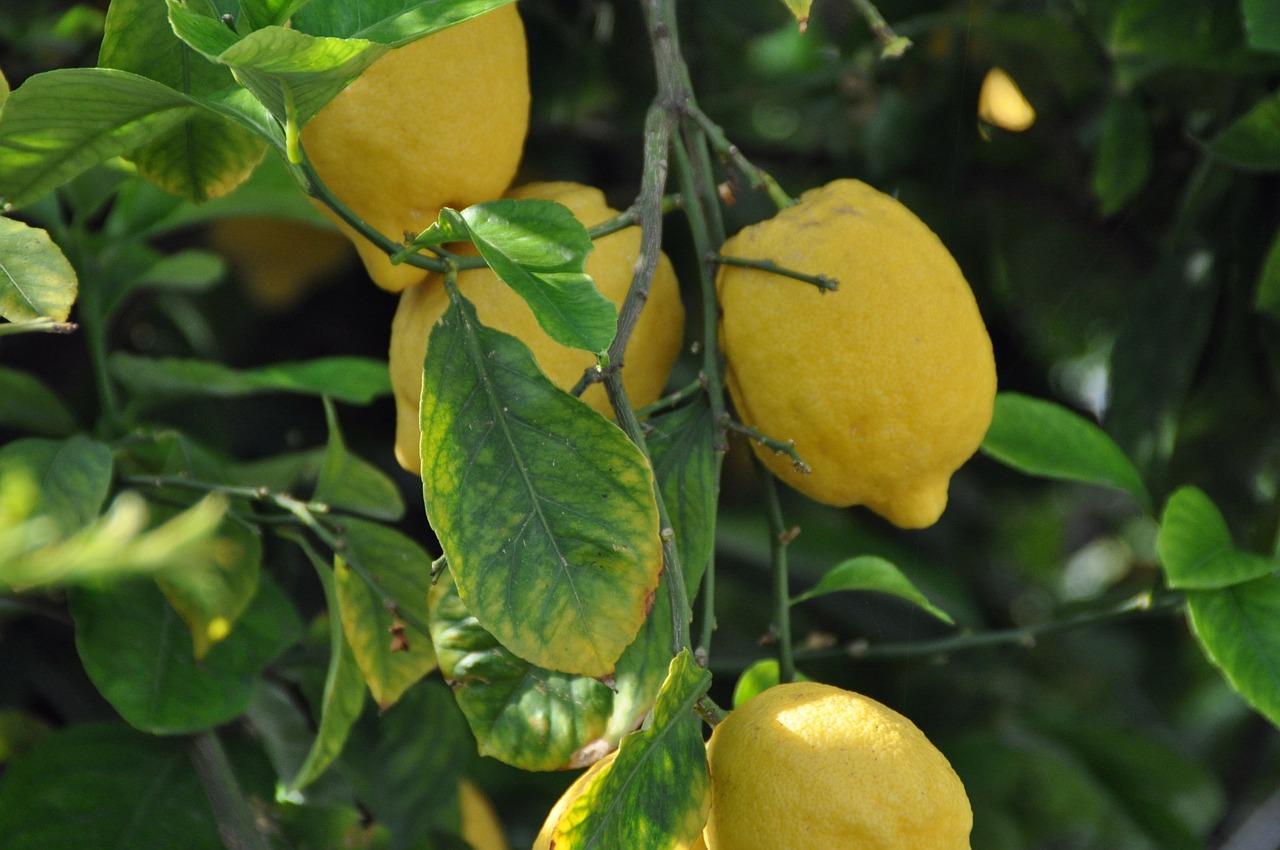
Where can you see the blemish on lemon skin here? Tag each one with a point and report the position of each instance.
(1002, 104)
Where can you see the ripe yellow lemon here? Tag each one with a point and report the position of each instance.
(279, 260)
(1002, 104)
(808, 766)
(438, 122)
(886, 385)
(651, 352)
(480, 826)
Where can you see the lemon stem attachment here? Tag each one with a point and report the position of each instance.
(822, 281)
(779, 538)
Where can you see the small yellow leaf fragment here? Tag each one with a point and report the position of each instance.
(1002, 104)
(800, 8)
(218, 629)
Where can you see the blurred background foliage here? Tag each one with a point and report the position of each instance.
(1123, 250)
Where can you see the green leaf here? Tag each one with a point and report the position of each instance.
(28, 406)
(210, 593)
(389, 22)
(758, 678)
(61, 123)
(545, 510)
(1262, 24)
(1123, 164)
(1252, 141)
(870, 572)
(139, 654)
(185, 271)
(349, 483)
(1239, 630)
(526, 716)
(355, 380)
(256, 14)
(687, 466)
(382, 621)
(4, 90)
(406, 763)
(657, 786)
(291, 73)
(36, 280)
(204, 155)
(1266, 299)
(1042, 438)
(74, 476)
(1195, 548)
(343, 698)
(538, 248)
(103, 785)
(1187, 32)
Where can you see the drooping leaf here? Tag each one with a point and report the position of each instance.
(1239, 630)
(291, 73)
(204, 155)
(538, 248)
(350, 483)
(388, 22)
(36, 280)
(1042, 438)
(687, 466)
(1123, 163)
(210, 593)
(526, 716)
(657, 786)
(870, 572)
(1262, 24)
(1195, 546)
(343, 697)
(1252, 141)
(382, 622)
(61, 123)
(354, 380)
(138, 653)
(406, 764)
(105, 785)
(544, 509)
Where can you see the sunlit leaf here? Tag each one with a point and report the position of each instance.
(1239, 629)
(204, 155)
(538, 248)
(91, 783)
(138, 652)
(355, 380)
(389, 22)
(36, 280)
(382, 622)
(758, 678)
(657, 786)
(1195, 546)
(544, 508)
(1042, 438)
(60, 123)
(870, 572)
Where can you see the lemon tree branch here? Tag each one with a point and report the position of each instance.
(779, 538)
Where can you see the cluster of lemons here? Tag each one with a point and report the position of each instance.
(884, 387)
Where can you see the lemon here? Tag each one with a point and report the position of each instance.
(886, 386)
(807, 766)
(438, 122)
(1002, 104)
(279, 261)
(651, 351)
(480, 826)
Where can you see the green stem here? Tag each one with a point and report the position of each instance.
(786, 447)
(892, 45)
(673, 400)
(41, 325)
(824, 283)
(779, 537)
(756, 176)
(237, 824)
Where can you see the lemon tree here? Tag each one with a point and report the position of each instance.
(660, 491)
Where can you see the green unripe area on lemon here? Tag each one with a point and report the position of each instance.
(886, 385)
